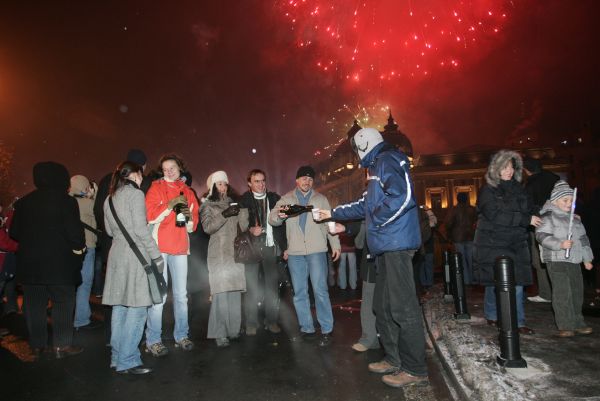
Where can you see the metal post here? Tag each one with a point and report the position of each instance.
(504, 276)
(458, 285)
(447, 285)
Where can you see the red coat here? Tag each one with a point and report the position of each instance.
(170, 238)
(7, 244)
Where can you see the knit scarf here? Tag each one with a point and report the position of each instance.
(269, 229)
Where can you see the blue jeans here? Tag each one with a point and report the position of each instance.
(426, 272)
(178, 267)
(466, 250)
(82, 299)
(351, 258)
(313, 266)
(127, 329)
(490, 309)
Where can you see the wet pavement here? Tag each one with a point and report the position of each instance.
(265, 367)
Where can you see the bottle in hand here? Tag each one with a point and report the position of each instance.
(293, 210)
(180, 218)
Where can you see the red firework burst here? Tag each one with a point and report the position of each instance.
(388, 39)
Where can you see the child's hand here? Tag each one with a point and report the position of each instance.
(588, 265)
(566, 244)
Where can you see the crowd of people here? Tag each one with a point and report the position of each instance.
(137, 221)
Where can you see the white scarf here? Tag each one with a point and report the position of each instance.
(269, 229)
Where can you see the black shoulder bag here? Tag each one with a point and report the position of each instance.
(156, 281)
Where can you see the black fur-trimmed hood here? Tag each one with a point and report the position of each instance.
(499, 160)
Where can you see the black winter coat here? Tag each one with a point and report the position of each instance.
(46, 224)
(539, 186)
(247, 201)
(504, 214)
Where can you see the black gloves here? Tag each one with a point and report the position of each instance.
(231, 211)
(160, 264)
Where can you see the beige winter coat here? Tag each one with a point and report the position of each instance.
(223, 273)
(315, 235)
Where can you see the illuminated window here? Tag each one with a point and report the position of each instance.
(436, 198)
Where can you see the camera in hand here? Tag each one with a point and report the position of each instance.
(293, 210)
(180, 218)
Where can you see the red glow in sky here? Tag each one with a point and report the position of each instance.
(390, 39)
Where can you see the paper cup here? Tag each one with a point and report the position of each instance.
(315, 214)
(331, 227)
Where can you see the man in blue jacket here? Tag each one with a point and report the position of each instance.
(391, 215)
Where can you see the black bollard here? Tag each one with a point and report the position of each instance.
(458, 287)
(447, 283)
(504, 276)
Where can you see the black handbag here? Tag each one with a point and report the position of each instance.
(156, 281)
(246, 250)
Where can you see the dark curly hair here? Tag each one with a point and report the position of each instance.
(170, 156)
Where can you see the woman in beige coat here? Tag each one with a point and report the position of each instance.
(220, 217)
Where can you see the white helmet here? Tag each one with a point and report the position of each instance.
(365, 140)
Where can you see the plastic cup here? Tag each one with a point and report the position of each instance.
(331, 227)
(315, 214)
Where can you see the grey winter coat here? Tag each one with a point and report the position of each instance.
(223, 273)
(554, 230)
(126, 281)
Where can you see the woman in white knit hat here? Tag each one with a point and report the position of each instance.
(220, 216)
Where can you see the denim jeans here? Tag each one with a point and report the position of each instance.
(351, 258)
(313, 266)
(466, 250)
(426, 271)
(127, 329)
(178, 267)
(82, 299)
(490, 310)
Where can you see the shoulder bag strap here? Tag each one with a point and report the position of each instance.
(92, 229)
(132, 244)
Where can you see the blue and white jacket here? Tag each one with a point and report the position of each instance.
(388, 205)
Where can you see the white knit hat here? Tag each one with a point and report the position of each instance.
(214, 178)
(561, 189)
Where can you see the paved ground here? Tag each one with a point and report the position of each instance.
(265, 367)
(558, 368)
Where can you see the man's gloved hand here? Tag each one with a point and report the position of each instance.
(232, 210)
(160, 264)
(186, 212)
(176, 201)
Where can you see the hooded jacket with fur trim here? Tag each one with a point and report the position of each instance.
(504, 214)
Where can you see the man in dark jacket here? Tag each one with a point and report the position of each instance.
(460, 226)
(538, 187)
(391, 214)
(51, 246)
(272, 241)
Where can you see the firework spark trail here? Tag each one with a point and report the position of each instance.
(390, 39)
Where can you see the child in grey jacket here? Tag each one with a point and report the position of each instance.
(565, 273)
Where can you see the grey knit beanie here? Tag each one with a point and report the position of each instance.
(561, 188)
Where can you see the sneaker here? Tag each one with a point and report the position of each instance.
(222, 342)
(157, 350)
(358, 347)
(185, 344)
(537, 298)
(403, 379)
(308, 336)
(565, 333)
(584, 330)
(274, 328)
(63, 352)
(93, 325)
(250, 331)
(325, 340)
(382, 366)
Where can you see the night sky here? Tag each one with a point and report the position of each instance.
(82, 82)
